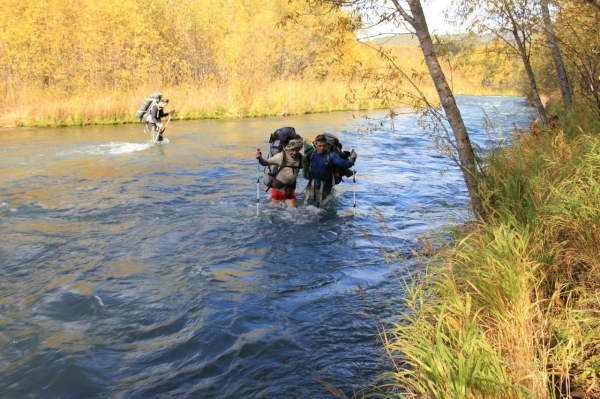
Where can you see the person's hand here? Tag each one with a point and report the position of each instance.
(258, 153)
(352, 157)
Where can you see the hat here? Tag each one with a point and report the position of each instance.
(295, 144)
(165, 100)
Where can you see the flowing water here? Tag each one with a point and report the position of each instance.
(136, 271)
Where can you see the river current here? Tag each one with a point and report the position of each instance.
(131, 270)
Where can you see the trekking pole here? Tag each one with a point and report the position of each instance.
(257, 183)
(169, 120)
(353, 186)
(164, 128)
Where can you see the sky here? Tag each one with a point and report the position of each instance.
(434, 14)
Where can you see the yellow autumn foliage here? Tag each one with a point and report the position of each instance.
(66, 62)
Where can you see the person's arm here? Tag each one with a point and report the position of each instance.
(163, 113)
(339, 161)
(277, 159)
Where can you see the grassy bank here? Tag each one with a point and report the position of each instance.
(48, 108)
(511, 309)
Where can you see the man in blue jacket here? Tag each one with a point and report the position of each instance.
(321, 171)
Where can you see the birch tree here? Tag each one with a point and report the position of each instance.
(557, 55)
(516, 23)
(578, 27)
(412, 17)
(416, 19)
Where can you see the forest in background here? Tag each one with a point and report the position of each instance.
(82, 61)
(77, 62)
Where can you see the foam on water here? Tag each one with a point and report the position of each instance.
(124, 148)
(111, 148)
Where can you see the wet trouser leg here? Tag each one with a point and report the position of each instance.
(155, 131)
(316, 192)
(320, 194)
(325, 193)
(152, 129)
(309, 198)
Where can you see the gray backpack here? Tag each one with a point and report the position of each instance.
(277, 142)
(145, 105)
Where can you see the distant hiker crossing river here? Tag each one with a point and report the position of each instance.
(151, 112)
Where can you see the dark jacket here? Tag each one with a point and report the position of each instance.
(321, 171)
(155, 113)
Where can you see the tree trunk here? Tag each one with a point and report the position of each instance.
(532, 83)
(463, 143)
(558, 60)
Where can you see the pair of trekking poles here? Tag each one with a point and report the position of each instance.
(258, 186)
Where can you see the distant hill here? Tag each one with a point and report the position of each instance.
(403, 40)
(409, 40)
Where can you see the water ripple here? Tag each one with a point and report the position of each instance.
(130, 270)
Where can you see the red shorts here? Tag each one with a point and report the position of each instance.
(282, 195)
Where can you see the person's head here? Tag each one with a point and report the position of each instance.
(320, 144)
(294, 146)
(163, 102)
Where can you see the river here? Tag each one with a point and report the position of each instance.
(136, 271)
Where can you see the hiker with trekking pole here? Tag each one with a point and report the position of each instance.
(325, 164)
(151, 112)
(289, 163)
(154, 119)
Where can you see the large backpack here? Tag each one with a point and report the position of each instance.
(333, 145)
(145, 105)
(277, 142)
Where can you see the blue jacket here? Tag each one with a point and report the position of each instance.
(319, 168)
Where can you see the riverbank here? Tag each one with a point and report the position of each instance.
(511, 309)
(49, 108)
(212, 101)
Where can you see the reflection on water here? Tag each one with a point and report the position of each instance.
(136, 270)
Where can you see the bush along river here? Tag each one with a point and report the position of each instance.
(129, 270)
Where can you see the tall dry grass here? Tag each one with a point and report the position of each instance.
(31, 105)
(511, 309)
(45, 107)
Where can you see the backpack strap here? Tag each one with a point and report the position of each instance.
(285, 165)
(149, 110)
(328, 164)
